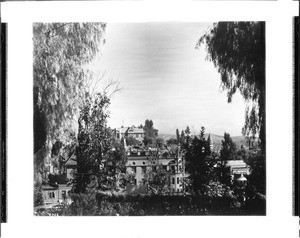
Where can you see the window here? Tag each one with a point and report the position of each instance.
(134, 169)
(144, 169)
(173, 180)
(135, 182)
(177, 180)
(51, 195)
(63, 194)
(173, 169)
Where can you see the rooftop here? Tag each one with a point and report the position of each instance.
(236, 163)
(135, 130)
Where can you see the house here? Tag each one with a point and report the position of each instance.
(58, 193)
(140, 162)
(135, 132)
(58, 188)
(238, 168)
(121, 132)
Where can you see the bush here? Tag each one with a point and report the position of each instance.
(96, 204)
(38, 196)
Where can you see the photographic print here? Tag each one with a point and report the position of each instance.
(138, 119)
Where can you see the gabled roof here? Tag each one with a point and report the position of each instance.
(135, 130)
(236, 163)
(122, 130)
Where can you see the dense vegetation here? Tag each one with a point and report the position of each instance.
(103, 205)
(70, 117)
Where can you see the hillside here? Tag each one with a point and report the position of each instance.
(217, 140)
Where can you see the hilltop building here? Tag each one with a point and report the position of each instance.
(135, 132)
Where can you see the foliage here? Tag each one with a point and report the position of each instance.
(198, 163)
(159, 143)
(223, 173)
(38, 196)
(148, 141)
(114, 205)
(149, 129)
(228, 151)
(125, 178)
(158, 178)
(237, 50)
(241, 153)
(84, 203)
(99, 158)
(257, 177)
(171, 141)
(131, 141)
(184, 138)
(150, 133)
(218, 189)
(177, 135)
(61, 50)
(115, 164)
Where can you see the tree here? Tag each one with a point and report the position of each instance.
(159, 142)
(177, 135)
(182, 139)
(61, 52)
(100, 158)
(257, 177)
(157, 177)
(150, 133)
(148, 141)
(187, 139)
(228, 151)
(198, 163)
(223, 174)
(149, 129)
(38, 195)
(237, 50)
(131, 141)
(172, 141)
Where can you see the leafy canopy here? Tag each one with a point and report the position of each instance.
(198, 163)
(61, 51)
(100, 159)
(237, 50)
(229, 150)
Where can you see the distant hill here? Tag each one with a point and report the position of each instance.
(167, 136)
(217, 140)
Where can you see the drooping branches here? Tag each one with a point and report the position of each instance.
(60, 53)
(237, 50)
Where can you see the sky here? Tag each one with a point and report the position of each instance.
(165, 79)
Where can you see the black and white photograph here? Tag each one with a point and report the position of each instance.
(163, 118)
(142, 119)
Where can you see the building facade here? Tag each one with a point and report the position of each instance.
(135, 132)
(56, 194)
(140, 163)
(238, 168)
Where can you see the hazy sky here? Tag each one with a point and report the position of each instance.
(164, 78)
